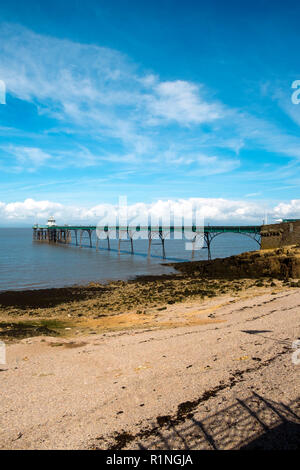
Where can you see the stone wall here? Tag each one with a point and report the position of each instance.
(279, 235)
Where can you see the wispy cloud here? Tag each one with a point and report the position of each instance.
(180, 101)
(28, 157)
(111, 112)
(19, 158)
(99, 92)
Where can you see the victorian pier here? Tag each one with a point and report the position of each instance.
(77, 234)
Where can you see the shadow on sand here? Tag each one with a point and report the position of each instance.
(250, 424)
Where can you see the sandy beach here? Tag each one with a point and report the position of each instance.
(202, 370)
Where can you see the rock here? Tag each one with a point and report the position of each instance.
(277, 264)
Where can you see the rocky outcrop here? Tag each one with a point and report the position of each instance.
(281, 263)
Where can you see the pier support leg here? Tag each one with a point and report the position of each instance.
(81, 232)
(149, 245)
(131, 243)
(97, 243)
(163, 247)
(90, 237)
(208, 251)
(76, 237)
(108, 243)
(208, 242)
(193, 250)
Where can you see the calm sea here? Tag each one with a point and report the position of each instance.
(25, 264)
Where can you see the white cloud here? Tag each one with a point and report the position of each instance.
(212, 210)
(28, 210)
(180, 101)
(288, 209)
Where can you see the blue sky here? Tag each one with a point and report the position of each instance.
(161, 100)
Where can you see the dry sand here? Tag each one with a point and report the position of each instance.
(202, 373)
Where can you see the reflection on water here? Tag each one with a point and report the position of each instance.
(25, 264)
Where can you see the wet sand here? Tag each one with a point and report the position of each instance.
(158, 363)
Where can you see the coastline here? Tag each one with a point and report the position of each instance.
(145, 301)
